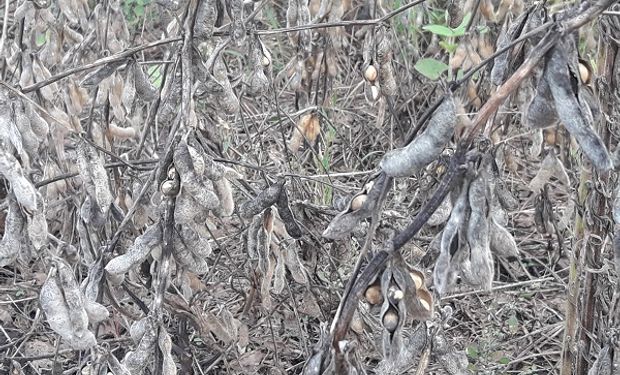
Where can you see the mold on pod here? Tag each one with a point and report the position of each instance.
(390, 320)
(395, 295)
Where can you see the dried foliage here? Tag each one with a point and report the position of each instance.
(309, 186)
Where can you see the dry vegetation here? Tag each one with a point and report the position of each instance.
(294, 186)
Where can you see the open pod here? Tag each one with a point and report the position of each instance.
(359, 208)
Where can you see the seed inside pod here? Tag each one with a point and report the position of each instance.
(169, 187)
(390, 320)
(370, 73)
(375, 92)
(358, 202)
(418, 279)
(425, 304)
(395, 294)
(584, 73)
(172, 173)
(266, 60)
(373, 295)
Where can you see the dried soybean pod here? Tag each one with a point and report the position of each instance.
(138, 359)
(263, 200)
(206, 15)
(291, 225)
(12, 240)
(426, 147)
(235, 11)
(501, 62)
(387, 80)
(165, 346)
(140, 249)
(94, 78)
(305, 36)
(501, 241)
(292, 15)
(344, 223)
(73, 297)
(603, 364)
(616, 247)
(481, 260)
(574, 114)
(443, 274)
(540, 112)
(144, 88)
(24, 190)
(190, 181)
(551, 167)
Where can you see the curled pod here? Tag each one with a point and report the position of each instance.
(264, 199)
(390, 320)
(90, 289)
(344, 223)
(573, 112)
(426, 147)
(501, 241)
(144, 88)
(540, 112)
(206, 15)
(284, 209)
(387, 80)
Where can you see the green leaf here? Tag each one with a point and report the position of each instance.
(431, 68)
(450, 47)
(460, 29)
(513, 324)
(439, 30)
(504, 360)
(472, 352)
